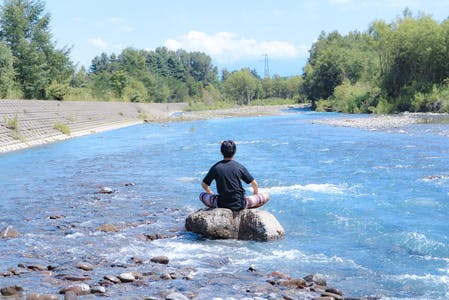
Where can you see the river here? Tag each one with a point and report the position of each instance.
(369, 209)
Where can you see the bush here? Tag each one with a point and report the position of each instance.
(435, 101)
(62, 128)
(57, 91)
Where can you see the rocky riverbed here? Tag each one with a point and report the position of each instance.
(157, 275)
(396, 123)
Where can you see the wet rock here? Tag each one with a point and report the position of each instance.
(107, 228)
(126, 277)
(70, 295)
(33, 267)
(316, 278)
(98, 290)
(11, 290)
(106, 190)
(160, 260)
(84, 266)
(112, 278)
(55, 217)
(176, 296)
(332, 295)
(9, 232)
(334, 291)
(79, 289)
(35, 296)
(294, 283)
(137, 275)
(165, 276)
(137, 260)
(323, 298)
(248, 224)
(157, 236)
(130, 184)
(77, 278)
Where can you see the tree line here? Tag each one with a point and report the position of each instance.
(391, 67)
(32, 67)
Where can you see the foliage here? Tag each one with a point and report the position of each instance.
(57, 91)
(6, 70)
(401, 66)
(24, 28)
(241, 86)
(62, 128)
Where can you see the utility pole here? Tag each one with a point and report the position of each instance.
(266, 69)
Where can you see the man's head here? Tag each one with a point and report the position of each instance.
(228, 149)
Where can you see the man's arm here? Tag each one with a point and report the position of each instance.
(206, 188)
(255, 187)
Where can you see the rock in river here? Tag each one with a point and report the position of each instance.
(247, 224)
(9, 232)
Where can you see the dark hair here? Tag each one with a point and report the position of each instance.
(228, 149)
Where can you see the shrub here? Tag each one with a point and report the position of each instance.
(57, 91)
(62, 128)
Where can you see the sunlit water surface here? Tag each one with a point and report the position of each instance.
(367, 209)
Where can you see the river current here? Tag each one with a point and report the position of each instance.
(369, 209)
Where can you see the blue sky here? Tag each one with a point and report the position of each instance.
(236, 34)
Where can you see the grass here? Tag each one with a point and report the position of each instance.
(62, 128)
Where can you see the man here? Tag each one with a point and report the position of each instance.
(228, 175)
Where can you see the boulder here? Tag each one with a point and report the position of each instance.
(9, 232)
(247, 224)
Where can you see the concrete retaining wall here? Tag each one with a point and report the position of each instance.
(25, 123)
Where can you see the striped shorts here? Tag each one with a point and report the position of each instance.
(253, 201)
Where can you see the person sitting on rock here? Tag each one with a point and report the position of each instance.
(228, 175)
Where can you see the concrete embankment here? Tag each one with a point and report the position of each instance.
(26, 123)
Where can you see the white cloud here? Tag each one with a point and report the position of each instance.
(228, 46)
(98, 42)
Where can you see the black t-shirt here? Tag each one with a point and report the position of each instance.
(228, 176)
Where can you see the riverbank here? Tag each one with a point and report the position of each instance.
(397, 122)
(27, 123)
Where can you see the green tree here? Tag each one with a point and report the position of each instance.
(241, 86)
(118, 81)
(24, 27)
(6, 70)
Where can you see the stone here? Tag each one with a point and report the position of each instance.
(112, 278)
(9, 232)
(35, 296)
(70, 295)
(247, 224)
(316, 278)
(79, 289)
(176, 296)
(160, 259)
(84, 266)
(11, 290)
(107, 228)
(98, 290)
(126, 277)
(334, 291)
(294, 283)
(332, 295)
(106, 190)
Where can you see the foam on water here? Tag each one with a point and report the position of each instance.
(325, 188)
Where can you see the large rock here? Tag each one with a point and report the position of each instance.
(247, 224)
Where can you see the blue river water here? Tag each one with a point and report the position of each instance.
(369, 209)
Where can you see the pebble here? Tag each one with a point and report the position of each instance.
(160, 259)
(107, 228)
(317, 278)
(77, 278)
(294, 283)
(70, 295)
(332, 295)
(176, 296)
(126, 277)
(78, 289)
(334, 291)
(112, 278)
(106, 190)
(97, 289)
(9, 232)
(34, 296)
(11, 290)
(84, 266)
